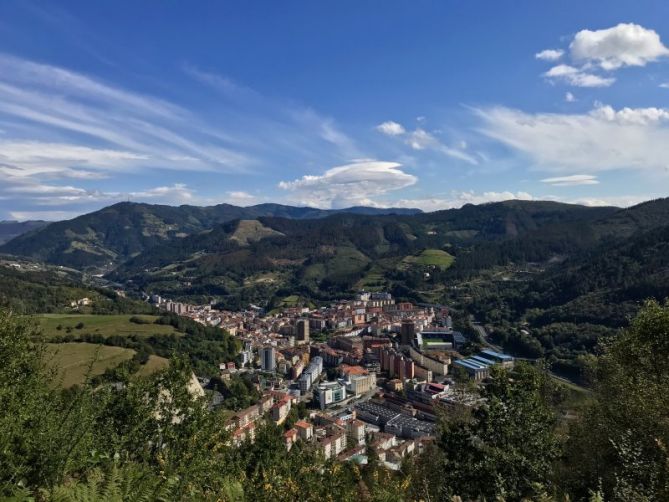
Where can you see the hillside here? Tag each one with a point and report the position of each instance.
(28, 288)
(567, 305)
(112, 235)
(11, 229)
(323, 258)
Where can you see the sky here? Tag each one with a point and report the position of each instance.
(427, 104)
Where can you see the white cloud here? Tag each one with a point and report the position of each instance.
(665, 85)
(573, 180)
(631, 116)
(569, 97)
(36, 189)
(349, 185)
(43, 102)
(626, 44)
(241, 198)
(391, 128)
(601, 140)
(616, 200)
(460, 198)
(549, 54)
(577, 77)
(31, 158)
(178, 193)
(43, 215)
(420, 139)
(39, 194)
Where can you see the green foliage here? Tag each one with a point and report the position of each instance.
(621, 443)
(505, 450)
(239, 392)
(48, 291)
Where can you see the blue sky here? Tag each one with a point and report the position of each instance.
(428, 104)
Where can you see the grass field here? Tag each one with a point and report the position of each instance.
(155, 363)
(430, 257)
(73, 360)
(105, 325)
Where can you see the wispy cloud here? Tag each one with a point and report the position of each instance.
(52, 102)
(573, 180)
(277, 124)
(603, 139)
(59, 126)
(421, 139)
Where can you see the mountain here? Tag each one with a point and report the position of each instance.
(11, 229)
(327, 257)
(107, 237)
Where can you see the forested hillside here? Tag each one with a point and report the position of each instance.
(53, 291)
(11, 229)
(114, 234)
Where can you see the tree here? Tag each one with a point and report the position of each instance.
(622, 442)
(505, 449)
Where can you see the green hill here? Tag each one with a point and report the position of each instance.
(112, 235)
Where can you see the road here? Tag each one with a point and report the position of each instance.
(486, 341)
(484, 336)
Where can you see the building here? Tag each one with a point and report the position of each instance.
(280, 410)
(503, 360)
(478, 366)
(268, 358)
(360, 384)
(328, 393)
(311, 374)
(407, 331)
(302, 331)
(437, 365)
(305, 430)
(397, 365)
(393, 422)
(356, 432)
(289, 437)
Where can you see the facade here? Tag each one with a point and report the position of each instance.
(311, 374)
(302, 331)
(280, 410)
(407, 331)
(360, 384)
(397, 365)
(437, 366)
(268, 358)
(305, 431)
(328, 393)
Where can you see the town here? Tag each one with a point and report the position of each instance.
(358, 374)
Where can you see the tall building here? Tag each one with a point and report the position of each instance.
(407, 331)
(302, 331)
(268, 358)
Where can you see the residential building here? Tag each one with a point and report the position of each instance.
(302, 331)
(268, 358)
